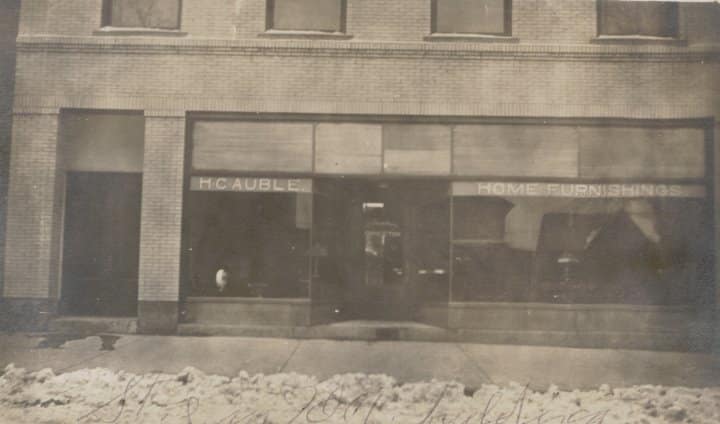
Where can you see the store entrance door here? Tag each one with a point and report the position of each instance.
(379, 225)
(382, 247)
(101, 244)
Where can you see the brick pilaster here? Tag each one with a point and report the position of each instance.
(160, 233)
(9, 18)
(34, 220)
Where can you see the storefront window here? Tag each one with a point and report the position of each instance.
(250, 244)
(645, 246)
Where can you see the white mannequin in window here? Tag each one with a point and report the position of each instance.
(221, 279)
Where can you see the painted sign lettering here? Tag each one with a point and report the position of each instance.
(251, 184)
(467, 188)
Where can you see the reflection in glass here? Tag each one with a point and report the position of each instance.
(569, 250)
(383, 246)
(259, 240)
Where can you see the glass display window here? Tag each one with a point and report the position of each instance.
(631, 247)
(249, 244)
(383, 247)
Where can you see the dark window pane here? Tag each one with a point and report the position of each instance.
(470, 16)
(480, 218)
(639, 18)
(163, 14)
(261, 240)
(594, 250)
(308, 15)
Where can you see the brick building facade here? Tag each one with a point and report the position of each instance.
(552, 83)
(9, 18)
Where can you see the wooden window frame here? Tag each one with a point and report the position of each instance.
(600, 4)
(106, 20)
(507, 22)
(270, 18)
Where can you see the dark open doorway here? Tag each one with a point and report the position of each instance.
(101, 244)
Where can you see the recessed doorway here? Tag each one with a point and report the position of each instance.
(388, 244)
(101, 244)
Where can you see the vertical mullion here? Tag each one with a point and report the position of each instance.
(451, 253)
(311, 258)
(433, 16)
(343, 15)
(451, 265)
(452, 150)
(269, 14)
(179, 17)
(106, 18)
(507, 30)
(382, 149)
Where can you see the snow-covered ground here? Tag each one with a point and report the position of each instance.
(101, 395)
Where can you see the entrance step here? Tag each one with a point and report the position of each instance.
(345, 330)
(93, 325)
(382, 330)
(213, 329)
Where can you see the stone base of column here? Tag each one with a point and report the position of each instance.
(156, 317)
(26, 314)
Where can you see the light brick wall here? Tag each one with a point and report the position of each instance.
(162, 194)
(215, 18)
(61, 17)
(554, 21)
(34, 208)
(9, 17)
(399, 20)
(346, 81)
(249, 18)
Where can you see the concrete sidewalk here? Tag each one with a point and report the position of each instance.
(471, 364)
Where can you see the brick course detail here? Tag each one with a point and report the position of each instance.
(33, 207)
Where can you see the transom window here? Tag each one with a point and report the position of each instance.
(154, 14)
(487, 17)
(306, 15)
(643, 18)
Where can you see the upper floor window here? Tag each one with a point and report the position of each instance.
(643, 18)
(486, 17)
(306, 15)
(153, 14)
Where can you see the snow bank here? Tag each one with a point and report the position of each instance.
(101, 395)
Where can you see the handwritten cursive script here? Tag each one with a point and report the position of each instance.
(310, 405)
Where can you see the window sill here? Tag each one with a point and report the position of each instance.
(275, 33)
(479, 38)
(638, 39)
(146, 32)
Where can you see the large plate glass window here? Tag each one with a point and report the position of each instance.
(249, 237)
(580, 243)
(638, 18)
(153, 14)
(306, 15)
(488, 17)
